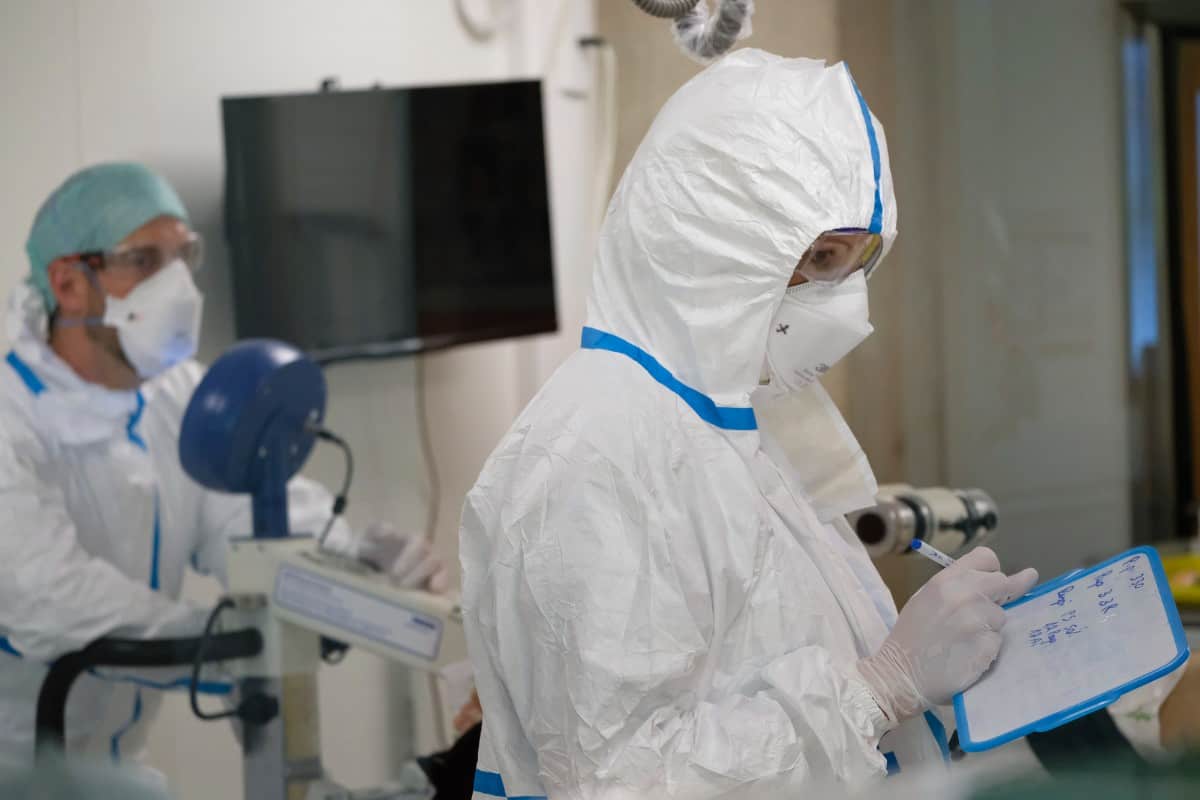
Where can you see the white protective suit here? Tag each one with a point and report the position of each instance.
(100, 521)
(657, 602)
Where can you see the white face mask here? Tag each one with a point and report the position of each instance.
(816, 326)
(158, 323)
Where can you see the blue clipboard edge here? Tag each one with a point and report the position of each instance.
(1096, 703)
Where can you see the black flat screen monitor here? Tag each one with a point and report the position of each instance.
(389, 221)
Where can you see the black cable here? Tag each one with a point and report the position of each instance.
(435, 488)
(198, 662)
(343, 498)
(333, 652)
(254, 709)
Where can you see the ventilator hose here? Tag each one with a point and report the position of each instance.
(666, 9)
(706, 39)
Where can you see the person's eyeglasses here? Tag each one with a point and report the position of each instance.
(145, 260)
(838, 253)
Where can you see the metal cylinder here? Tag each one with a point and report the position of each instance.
(947, 533)
(950, 520)
(888, 527)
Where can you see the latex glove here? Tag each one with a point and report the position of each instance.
(408, 560)
(945, 638)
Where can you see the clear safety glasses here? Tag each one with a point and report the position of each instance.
(144, 260)
(838, 253)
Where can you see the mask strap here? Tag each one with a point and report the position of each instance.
(86, 322)
(90, 274)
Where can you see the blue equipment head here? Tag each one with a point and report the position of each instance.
(251, 425)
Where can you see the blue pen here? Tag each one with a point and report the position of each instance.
(932, 553)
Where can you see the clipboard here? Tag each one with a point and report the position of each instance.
(1072, 646)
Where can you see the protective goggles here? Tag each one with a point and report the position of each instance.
(838, 253)
(145, 260)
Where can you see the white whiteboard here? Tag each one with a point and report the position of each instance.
(1072, 646)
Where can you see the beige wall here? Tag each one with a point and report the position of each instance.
(652, 67)
(1012, 222)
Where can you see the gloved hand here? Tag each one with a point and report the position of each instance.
(945, 638)
(408, 560)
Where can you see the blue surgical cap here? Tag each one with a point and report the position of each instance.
(94, 210)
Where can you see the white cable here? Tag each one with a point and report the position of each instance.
(556, 38)
(607, 141)
(606, 98)
(484, 29)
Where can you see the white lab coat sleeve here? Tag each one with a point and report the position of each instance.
(607, 651)
(229, 515)
(55, 597)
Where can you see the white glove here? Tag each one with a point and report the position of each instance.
(408, 560)
(945, 638)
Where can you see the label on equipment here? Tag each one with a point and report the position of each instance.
(323, 599)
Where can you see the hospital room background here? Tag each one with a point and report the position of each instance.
(1037, 324)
